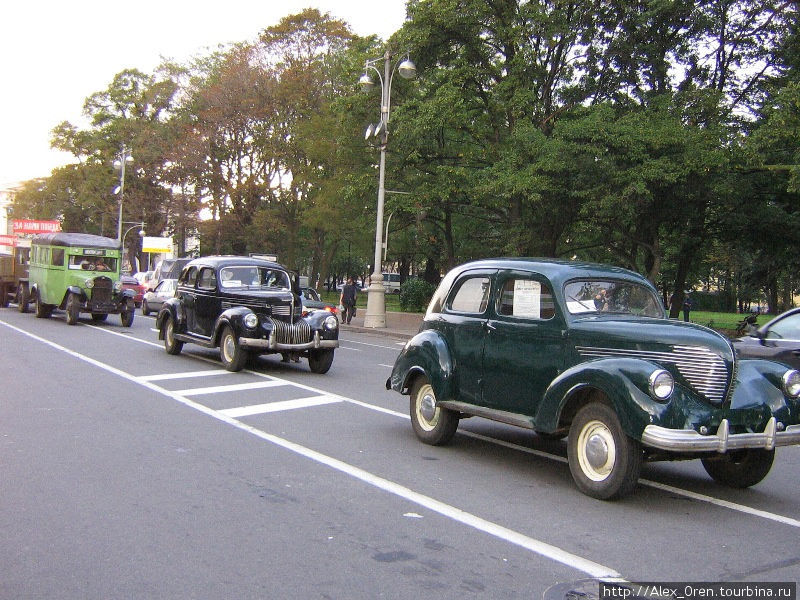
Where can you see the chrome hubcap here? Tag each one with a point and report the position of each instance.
(596, 451)
(427, 407)
(229, 348)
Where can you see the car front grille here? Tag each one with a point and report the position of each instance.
(291, 333)
(101, 291)
(704, 370)
(262, 307)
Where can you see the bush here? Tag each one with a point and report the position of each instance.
(415, 294)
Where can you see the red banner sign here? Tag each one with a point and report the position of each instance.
(8, 240)
(31, 226)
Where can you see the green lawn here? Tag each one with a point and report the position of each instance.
(724, 322)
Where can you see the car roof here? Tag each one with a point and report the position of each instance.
(232, 261)
(556, 270)
(74, 240)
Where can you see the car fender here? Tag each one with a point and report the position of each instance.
(624, 382)
(170, 308)
(427, 353)
(234, 317)
(73, 289)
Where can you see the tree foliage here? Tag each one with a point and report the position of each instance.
(660, 135)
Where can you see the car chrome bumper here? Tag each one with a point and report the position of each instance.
(723, 441)
(271, 343)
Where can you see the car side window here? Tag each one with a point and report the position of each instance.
(471, 295)
(786, 329)
(526, 298)
(189, 277)
(207, 279)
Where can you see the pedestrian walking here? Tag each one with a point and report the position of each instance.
(348, 300)
(687, 305)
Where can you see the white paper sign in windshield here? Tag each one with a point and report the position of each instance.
(527, 299)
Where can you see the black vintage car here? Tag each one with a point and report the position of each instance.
(245, 305)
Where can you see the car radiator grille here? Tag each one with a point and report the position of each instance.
(101, 291)
(704, 370)
(262, 307)
(291, 333)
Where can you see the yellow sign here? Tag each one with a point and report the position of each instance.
(157, 244)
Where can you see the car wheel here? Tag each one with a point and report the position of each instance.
(740, 468)
(171, 345)
(23, 298)
(605, 463)
(320, 361)
(99, 317)
(43, 311)
(73, 309)
(3, 295)
(127, 314)
(145, 308)
(432, 424)
(232, 354)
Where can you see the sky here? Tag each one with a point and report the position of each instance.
(55, 53)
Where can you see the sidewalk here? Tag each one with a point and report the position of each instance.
(398, 324)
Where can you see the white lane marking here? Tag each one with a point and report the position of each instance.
(723, 503)
(260, 409)
(349, 341)
(735, 506)
(184, 375)
(539, 547)
(235, 387)
(387, 366)
(349, 348)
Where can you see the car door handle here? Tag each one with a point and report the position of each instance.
(489, 326)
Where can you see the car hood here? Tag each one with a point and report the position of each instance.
(647, 335)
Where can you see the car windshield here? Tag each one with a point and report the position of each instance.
(609, 296)
(92, 263)
(246, 276)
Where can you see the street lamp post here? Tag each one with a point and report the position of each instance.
(124, 158)
(376, 294)
(124, 235)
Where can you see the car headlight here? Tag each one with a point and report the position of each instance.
(791, 383)
(661, 384)
(117, 286)
(89, 283)
(331, 323)
(251, 320)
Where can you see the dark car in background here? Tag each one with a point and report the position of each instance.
(312, 301)
(778, 340)
(586, 352)
(244, 305)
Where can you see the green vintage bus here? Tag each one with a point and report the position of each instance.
(78, 273)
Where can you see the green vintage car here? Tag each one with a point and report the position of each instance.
(585, 351)
(78, 273)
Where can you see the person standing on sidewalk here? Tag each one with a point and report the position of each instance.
(348, 300)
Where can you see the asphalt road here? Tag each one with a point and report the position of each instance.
(129, 473)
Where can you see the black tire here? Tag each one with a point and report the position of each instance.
(99, 317)
(145, 308)
(171, 345)
(740, 468)
(320, 361)
(605, 463)
(43, 311)
(73, 309)
(23, 298)
(432, 424)
(233, 356)
(3, 295)
(127, 313)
